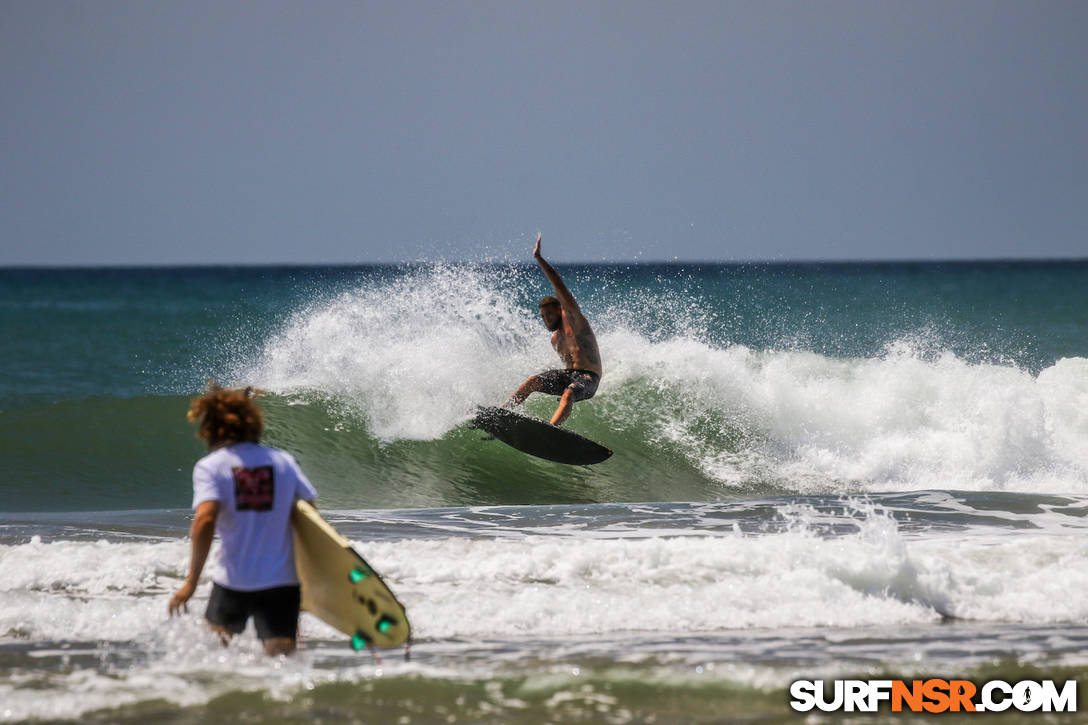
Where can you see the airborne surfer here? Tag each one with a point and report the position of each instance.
(573, 340)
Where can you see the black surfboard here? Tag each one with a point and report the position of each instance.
(539, 438)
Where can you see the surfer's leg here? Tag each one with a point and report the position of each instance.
(227, 612)
(530, 386)
(582, 386)
(223, 633)
(278, 646)
(565, 405)
(275, 618)
(549, 382)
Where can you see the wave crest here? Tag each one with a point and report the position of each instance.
(408, 359)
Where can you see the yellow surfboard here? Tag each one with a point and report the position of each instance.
(341, 588)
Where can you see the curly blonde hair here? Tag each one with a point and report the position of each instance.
(227, 416)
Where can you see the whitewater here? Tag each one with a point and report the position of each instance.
(713, 596)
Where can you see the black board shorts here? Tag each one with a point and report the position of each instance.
(582, 382)
(274, 611)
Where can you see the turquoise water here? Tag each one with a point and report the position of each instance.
(867, 470)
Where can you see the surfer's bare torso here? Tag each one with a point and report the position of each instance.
(575, 342)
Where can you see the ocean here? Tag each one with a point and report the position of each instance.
(821, 472)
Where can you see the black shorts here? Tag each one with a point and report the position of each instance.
(274, 611)
(582, 382)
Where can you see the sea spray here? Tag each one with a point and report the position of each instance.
(411, 356)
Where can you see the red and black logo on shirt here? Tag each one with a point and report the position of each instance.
(254, 488)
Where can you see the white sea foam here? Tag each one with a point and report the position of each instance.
(903, 421)
(567, 589)
(876, 577)
(543, 586)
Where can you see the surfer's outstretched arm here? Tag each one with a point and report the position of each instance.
(566, 299)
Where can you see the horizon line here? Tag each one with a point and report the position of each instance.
(640, 262)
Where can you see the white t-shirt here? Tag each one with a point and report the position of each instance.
(256, 487)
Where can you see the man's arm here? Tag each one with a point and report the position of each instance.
(566, 299)
(201, 533)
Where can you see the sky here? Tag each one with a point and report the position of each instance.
(323, 132)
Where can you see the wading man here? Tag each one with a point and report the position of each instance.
(575, 343)
(244, 492)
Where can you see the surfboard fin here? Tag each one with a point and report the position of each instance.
(359, 641)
